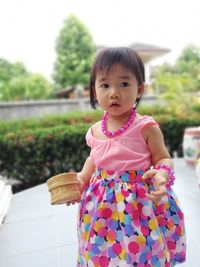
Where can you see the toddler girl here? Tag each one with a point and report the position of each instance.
(128, 213)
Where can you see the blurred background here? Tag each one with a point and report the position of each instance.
(46, 51)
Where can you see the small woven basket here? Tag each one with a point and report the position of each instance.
(64, 188)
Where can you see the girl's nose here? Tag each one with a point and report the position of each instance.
(114, 93)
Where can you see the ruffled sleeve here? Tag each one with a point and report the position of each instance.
(92, 143)
(88, 138)
(147, 121)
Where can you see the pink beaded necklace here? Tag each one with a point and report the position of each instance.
(120, 130)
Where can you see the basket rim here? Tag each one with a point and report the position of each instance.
(62, 179)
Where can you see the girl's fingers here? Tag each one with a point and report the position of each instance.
(72, 202)
(157, 178)
(159, 183)
(156, 196)
(159, 193)
(153, 198)
(149, 174)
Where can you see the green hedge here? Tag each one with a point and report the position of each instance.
(72, 118)
(49, 121)
(32, 156)
(78, 117)
(173, 130)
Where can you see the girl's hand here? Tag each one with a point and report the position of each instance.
(81, 188)
(159, 179)
(72, 202)
(82, 183)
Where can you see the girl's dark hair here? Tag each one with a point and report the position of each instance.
(108, 57)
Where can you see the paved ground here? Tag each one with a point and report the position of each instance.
(36, 234)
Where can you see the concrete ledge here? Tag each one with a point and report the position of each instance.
(5, 198)
(39, 108)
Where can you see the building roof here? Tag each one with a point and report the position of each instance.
(149, 52)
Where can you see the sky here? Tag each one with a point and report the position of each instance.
(29, 28)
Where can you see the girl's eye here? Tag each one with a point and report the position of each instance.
(124, 84)
(105, 85)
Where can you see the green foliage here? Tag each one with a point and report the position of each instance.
(196, 107)
(9, 70)
(16, 83)
(186, 71)
(80, 117)
(173, 91)
(189, 61)
(175, 83)
(75, 50)
(33, 153)
(48, 121)
(28, 87)
(173, 128)
(151, 110)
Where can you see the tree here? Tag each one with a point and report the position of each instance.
(29, 87)
(189, 63)
(16, 83)
(186, 70)
(75, 50)
(175, 84)
(10, 70)
(172, 91)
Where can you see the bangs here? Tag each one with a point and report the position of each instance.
(125, 57)
(107, 58)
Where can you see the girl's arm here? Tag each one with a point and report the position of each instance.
(85, 174)
(159, 155)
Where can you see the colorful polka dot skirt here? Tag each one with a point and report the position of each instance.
(119, 226)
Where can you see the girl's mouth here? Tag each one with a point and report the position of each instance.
(114, 105)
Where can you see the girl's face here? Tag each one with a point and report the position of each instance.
(117, 90)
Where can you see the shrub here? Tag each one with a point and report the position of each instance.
(33, 155)
(173, 130)
(49, 121)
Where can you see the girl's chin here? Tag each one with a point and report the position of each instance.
(114, 110)
(118, 109)
(119, 113)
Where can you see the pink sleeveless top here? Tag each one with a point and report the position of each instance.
(128, 151)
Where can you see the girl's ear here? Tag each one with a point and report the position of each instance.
(140, 90)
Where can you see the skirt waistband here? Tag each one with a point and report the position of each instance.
(119, 176)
